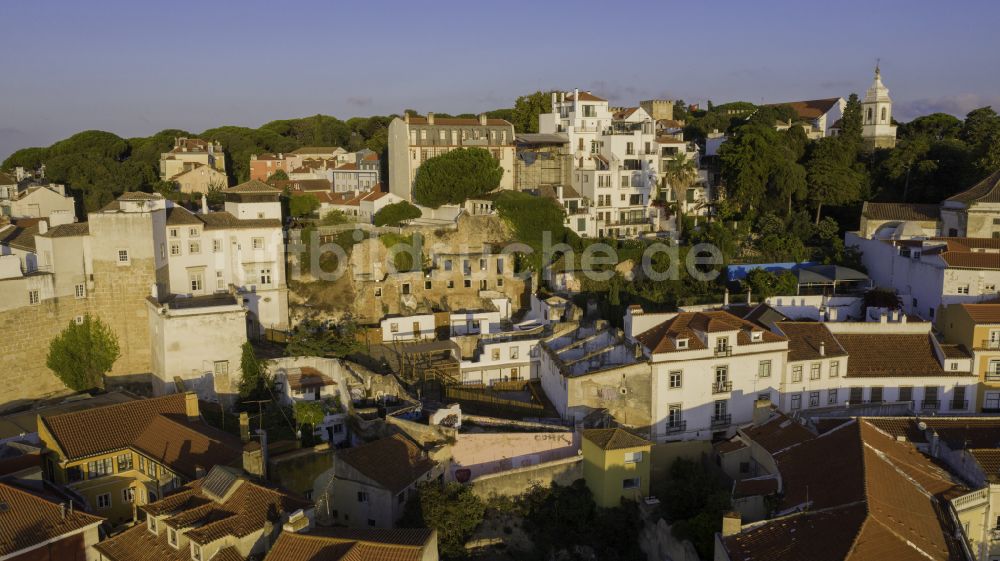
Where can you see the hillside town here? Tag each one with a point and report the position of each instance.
(580, 328)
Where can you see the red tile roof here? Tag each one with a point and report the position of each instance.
(983, 313)
(901, 211)
(806, 338)
(28, 520)
(662, 338)
(810, 109)
(615, 439)
(892, 354)
(394, 462)
(585, 96)
(986, 191)
(344, 544)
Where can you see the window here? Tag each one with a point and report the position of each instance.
(764, 369)
(427, 285)
(173, 232)
(128, 495)
(834, 368)
(964, 289)
(142, 464)
(172, 536)
(175, 248)
(216, 246)
(220, 281)
(378, 292)
(674, 415)
(813, 399)
(33, 297)
(123, 257)
(221, 368)
(258, 243)
(991, 401)
(721, 408)
(100, 468)
(81, 291)
(500, 264)
(989, 288)
(74, 474)
(906, 393)
(195, 551)
(796, 401)
(124, 462)
(194, 248)
(814, 371)
(514, 351)
(393, 328)
(499, 282)
(265, 277)
(151, 524)
(675, 379)
(721, 374)
(495, 354)
(468, 283)
(371, 522)
(196, 280)
(856, 395)
(831, 397)
(630, 483)
(633, 457)
(362, 496)
(682, 343)
(104, 500)
(193, 232)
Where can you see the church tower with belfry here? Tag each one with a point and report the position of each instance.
(877, 129)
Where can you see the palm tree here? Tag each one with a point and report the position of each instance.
(680, 173)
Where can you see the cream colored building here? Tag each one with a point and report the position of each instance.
(189, 153)
(200, 178)
(414, 139)
(877, 128)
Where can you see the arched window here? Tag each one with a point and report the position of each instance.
(883, 114)
(869, 118)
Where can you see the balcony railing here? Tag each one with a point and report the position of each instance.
(721, 420)
(993, 375)
(722, 387)
(988, 344)
(930, 404)
(958, 405)
(723, 351)
(674, 427)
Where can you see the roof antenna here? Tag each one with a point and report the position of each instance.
(877, 63)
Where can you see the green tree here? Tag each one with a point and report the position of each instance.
(527, 108)
(748, 160)
(302, 205)
(312, 338)
(452, 509)
(396, 213)
(936, 126)
(255, 381)
(279, 175)
(766, 284)
(882, 298)
(83, 353)
(850, 128)
(455, 177)
(693, 500)
(789, 182)
(832, 175)
(334, 218)
(309, 413)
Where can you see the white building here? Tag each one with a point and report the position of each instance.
(29, 199)
(877, 129)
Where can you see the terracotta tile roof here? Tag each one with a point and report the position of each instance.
(778, 433)
(20, 234)
(805, 339)
(754, 487)
(963, 260)
(983, 313)
(28, 520)
(459, 122)
(810, 109)
(729, 446)
(585, 96)
(191, 144)
(394, 462)
(304, 184)
(955, 351)
(68, 230)
(615, 439)
(224, 220)
(873, 498)
(344, 544)
(7, 179)
(138, 544)
(892, 354)
(901, 211)
(113, 427)
(228, 554)
(346, 167)
(316, 150)
(986, 191)
(140, 196)
(180, 216)
(623, 113)
(373, 157)
(662, 338)
(968, 244)
(185, 446)
(252, 186)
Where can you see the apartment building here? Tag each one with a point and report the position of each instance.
(413, 139)
(36, 199)
(119, 457)
(38, 529)
(221, 516)
(708, 369)
(190, 153)
(616, 466)
(976, 329)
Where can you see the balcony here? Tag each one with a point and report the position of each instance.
(989, 344)
(723, 351)
(993, 375)
(958, 405)
(674, 427)
(722, 387)
(930, 405)
(719, 421)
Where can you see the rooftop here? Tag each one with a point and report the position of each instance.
(28, 520)
(346, 544)
(807, 339)
(689, 325)
(876, 355)
(615, 439)
(394, 462)
(986, 191)
(810, 109)
(901, 211)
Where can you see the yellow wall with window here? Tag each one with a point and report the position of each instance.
(613, 475)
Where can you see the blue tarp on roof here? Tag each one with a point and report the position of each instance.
(739, 272)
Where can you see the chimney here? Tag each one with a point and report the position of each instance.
(559, 192)
(204, 204)
(406, 117)
(725, 298)
(297, 522)
(62, 511)
(43, 226)
(244, 427)
(761, 411)
(191, 406)
(576, 100)
(554, 99)
(199, 472)
(255, 456)
(482, 119)
(430, 117)
(822, 348)
(732, 523)
(749, 297)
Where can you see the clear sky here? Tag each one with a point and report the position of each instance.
(135, 67)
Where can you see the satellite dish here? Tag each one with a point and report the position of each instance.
(922, 425)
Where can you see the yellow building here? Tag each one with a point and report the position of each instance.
(121, 456)
(977, 328)
(615, 465)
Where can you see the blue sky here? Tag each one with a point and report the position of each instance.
(134, 68)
